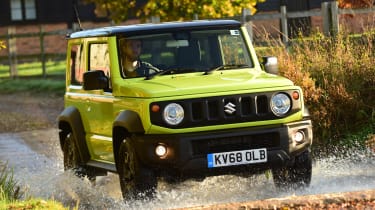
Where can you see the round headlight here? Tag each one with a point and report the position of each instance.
(173, 114)
(280, 104)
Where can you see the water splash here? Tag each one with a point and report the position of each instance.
(44, 177)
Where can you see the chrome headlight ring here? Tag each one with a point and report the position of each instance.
(280, 104)
(173, 114)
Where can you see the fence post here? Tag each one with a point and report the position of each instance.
(12, 52)
(326, 19)
(330, 12)
(334, 18)
(42, 53)
(284, 24)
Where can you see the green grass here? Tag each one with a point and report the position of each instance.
(53, 68)
(35, 204)
(10, 195)
(34, 85)
(9, 191)
(31, 79)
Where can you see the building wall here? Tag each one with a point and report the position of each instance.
(31, 45)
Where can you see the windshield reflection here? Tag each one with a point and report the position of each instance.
(183, 52)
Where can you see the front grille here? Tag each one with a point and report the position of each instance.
(243, 107)
(220, 110)
(236, 143)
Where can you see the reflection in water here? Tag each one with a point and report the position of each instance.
(44, 177)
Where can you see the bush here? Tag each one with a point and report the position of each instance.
(338, 78)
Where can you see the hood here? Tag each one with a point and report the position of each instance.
(198, 83)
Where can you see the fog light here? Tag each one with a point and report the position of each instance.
(299, 136)
(161, 150)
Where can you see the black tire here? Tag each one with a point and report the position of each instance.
(136, 181)
(296, 176)
(72, 159)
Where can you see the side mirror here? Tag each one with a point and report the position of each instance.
(95, 80)
(270, 64)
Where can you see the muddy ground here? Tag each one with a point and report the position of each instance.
(25, 112)
(33, 113)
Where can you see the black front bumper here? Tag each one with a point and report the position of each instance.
(187, 153)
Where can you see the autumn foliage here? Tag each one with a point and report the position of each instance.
(355, 3)
(167, 10)
(338, 78)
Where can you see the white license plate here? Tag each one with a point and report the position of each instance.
(237, 158)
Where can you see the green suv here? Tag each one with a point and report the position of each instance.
(193, 102)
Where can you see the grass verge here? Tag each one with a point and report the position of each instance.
(53, 68)
(33, 85)
(10, 195)
(37, 204)
(9, 191)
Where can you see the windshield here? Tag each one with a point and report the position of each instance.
(183, 52)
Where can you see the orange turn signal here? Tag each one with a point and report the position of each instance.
(155, 108)
(295, 95)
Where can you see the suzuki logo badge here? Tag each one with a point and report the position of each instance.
(229, 108)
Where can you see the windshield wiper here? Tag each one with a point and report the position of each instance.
(161, 72)
(226, 66)
(173, 70)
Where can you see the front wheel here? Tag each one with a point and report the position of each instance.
(136, 181)
(295, 176)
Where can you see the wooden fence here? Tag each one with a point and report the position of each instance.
(14, 56)
(329, 12)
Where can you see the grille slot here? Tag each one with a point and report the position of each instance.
(213, 109)
(197, 111)
(246, 106)
(262, 104)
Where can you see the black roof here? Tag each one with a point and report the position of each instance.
(130, 30)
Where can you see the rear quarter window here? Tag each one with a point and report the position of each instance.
(76, 64)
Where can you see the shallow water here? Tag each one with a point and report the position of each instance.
(42, 175)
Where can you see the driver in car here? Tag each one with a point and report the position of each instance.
(132, 65)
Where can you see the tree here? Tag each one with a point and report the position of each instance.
(172, 10)
(117, 10)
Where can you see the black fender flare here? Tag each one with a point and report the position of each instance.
(70, 120)
(129, 120)
(126, 123)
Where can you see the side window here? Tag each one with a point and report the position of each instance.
(76, 64)
(233, 49)
(99, 58)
